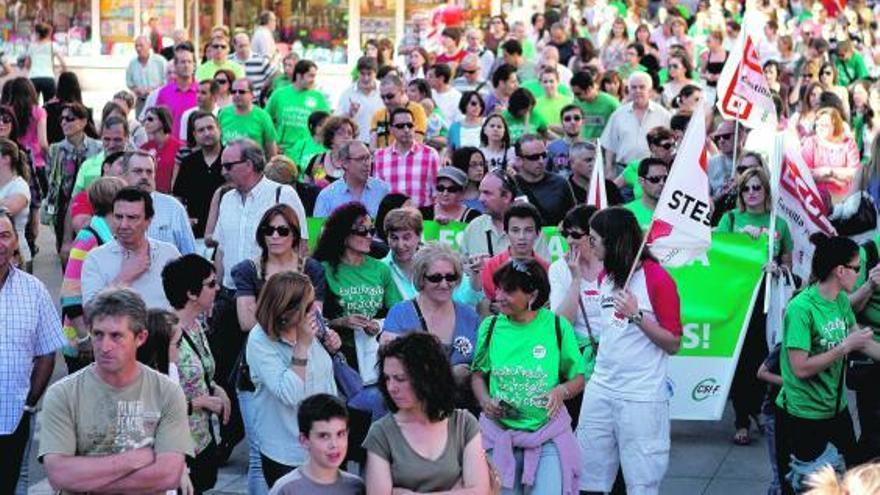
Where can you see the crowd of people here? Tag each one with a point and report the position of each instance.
(243, 259)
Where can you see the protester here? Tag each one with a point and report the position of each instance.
(582, 157)
(407, 165)
(145, 72)
(831, 154)
(258, 68)
(486, 234)
(449, 198)
(626, 402)
(522, 224)
(179, 95)
(572, 119)
(356, 183)
(243, 119)
(526, 364)
(495, 142)
(472, 162)
(547, 191)
(653, 173)
(69, 91)
(326, 167)
(286, 364)
(291, 106)
(466, 131)
(425, 444)
(200, 174)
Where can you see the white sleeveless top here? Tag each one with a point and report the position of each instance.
(41, 60)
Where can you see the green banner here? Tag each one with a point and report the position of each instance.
(447, 233)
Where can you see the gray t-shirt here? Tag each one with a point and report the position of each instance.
(412, 471)
(297, 483)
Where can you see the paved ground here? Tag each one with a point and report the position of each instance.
(703, 460)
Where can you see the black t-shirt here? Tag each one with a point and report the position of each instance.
(195, 186)
(612, 193)
(551, 195)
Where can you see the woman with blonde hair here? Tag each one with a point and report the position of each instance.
(860, 480)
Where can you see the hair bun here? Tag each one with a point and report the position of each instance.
(819, 239)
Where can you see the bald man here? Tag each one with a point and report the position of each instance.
(145, 72)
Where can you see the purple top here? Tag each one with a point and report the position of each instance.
(177, 102)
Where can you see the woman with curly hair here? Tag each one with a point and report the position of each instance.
(325, 168)
(425, 444)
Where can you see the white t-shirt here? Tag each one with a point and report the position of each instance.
(19, 186)
(560, 280)
(629, 365)
(448, 104)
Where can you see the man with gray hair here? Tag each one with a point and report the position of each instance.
(581, 160)
(625, 137)
(547, 191)
(145, 72)
(356, 183)
(471, 78)
(129, 433)
(474, 45)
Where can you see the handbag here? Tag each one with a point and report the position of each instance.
(855, 215)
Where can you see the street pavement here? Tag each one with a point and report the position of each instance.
(703, 458)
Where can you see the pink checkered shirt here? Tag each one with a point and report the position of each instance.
(413, 173)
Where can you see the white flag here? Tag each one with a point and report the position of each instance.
(799, 203)
(681, 229)
(596, 194)
(743, 91)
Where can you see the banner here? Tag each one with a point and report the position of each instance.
(449, 233)
(596, 194)
(700, 375)
(743, 91)
(681, 229)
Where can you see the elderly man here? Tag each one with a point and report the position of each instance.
(117, 426)
(145, 72)
(625, 136)
(470, 79)
(131, 260)
(219, 60)
(257, 68)
(362, 100)
(31, 336)
(356, 183)
(474, 45)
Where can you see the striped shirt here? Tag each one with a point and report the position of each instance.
(30, 328)
(258, 70)
(412, 173)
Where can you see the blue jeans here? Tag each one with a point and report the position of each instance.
(256, 481)
(770, 435)
(548, 478)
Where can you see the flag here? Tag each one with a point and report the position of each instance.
(800, 204)
(596, 195)
(743, 91)
(681, 229)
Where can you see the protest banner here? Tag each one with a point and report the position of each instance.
(448, 233)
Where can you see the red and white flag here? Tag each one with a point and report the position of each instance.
(743, 91)
(681, 229)
(596, 195)
(800, 204)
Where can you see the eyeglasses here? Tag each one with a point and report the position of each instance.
(753, 188)
(674, 66)
(404, 125)
(363, 231)
(666, 145)
(574, 234)
(229, 165)
(436, 278)
(535, 156)
(572, 118)
(389, 96)
(5, 119)
(218, 46)
(221, 81)
(451, 189)
(211, 285)
(240, 91)
(269, 230)
(656, 179)
(67, 118)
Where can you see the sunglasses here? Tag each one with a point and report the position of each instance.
(67, 118)
(535, 157)
(211, 285)
(6, 119)
(405, 125)
(150, 118)
(753, 188)
(221, 81)
(389, 96)
(853, 268)
(240, 91)
(572, 118)
(436, 278)
(470, 71)
(667, 145)
(363, 231)
(656, 179)
(451, 189)
(574, 234)
(269, 230)
(720, 137)
(229, 165)
(219, 46)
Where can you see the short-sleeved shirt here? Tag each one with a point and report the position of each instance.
(256, 125)
(626, 135)
(403, 318)
(409, 469)
(177, 102)
(736, 221)
(560, 280)
(19, 186)
(365, 289)
(248, 281)
(517, 127)
(549, 108)
(643, 213)
(525, 361)
(290, 109)
(596, 114)
(297, 482)
(164, 161)
(209, 69)
(815, 325)
(551, 196)
(381, 123)
(103, 264)
(84, 416)
(493, 264)
(412, 173)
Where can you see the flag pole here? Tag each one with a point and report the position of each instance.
(632, 269)
(775, 174)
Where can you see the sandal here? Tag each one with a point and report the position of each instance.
(741, 437)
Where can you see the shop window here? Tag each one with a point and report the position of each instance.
(71, 21)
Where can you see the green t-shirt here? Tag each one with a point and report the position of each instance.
(631, 178)
(871, 314)
(535, 88)
(290, 109)
(517, 127)
(88, 172)
(256, 125)
(208, 69)
(596, 114)
(627, 69)
(850, 71)
(548, 109)
(364, 289)
(742, 219)
(524, 362)
(303, 151)
(816, 325)
(642, 213)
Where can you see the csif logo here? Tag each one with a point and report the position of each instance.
(705, 388)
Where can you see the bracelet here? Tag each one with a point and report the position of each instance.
(30, 409)
(83, 340)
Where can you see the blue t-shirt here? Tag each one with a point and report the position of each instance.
(403, 317)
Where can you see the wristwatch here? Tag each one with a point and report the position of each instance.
(30, 409)
(636, 318)
(299, 361)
